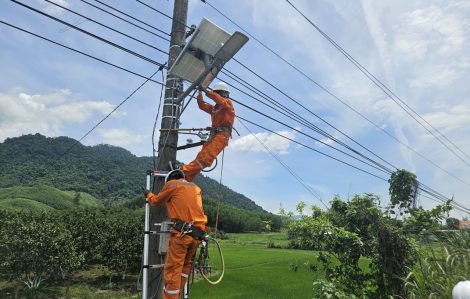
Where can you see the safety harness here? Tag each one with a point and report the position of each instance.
(181, 228)
(217, 130)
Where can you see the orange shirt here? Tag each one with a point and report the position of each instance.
(183, 200)
(222, 114)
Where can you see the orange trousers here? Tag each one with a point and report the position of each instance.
(210, 151)
(178, 264)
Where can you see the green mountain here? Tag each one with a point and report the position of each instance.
(103, 171)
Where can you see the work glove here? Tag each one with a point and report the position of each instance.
(146, 192)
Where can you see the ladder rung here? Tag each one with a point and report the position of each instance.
(154, 266)
(154, 232)
(159, 173)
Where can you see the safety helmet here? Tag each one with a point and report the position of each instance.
(221, 86)
(174, 175)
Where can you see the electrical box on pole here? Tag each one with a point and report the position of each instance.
(167, 143)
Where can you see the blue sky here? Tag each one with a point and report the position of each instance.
(419, 49)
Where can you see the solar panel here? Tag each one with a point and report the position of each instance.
(207, 38)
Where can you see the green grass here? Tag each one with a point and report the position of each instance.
(23, 204)
(37, 197)
(255, 271)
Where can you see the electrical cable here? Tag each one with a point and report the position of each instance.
(297, 177)
(67, 28)
(442, 197)
(155, 124)
(89, 33)
(152, 8)
(90, 56)
(358, 114)
(129, 16)
(74, 49)
(89, 19)
(292, 128)
(147, 79)
(324, 89)
(303, 121)
(382, 86)
(426, 191)
(124, 20)
(435, 194)
(310, 148)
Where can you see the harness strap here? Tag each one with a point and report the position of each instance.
(217, 130)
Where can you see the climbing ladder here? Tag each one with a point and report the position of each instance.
(164, 233)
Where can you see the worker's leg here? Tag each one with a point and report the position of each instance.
(206, 156)
(177, 249)
(188, 261)
(192, 169)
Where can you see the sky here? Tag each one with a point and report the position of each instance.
(420, 50)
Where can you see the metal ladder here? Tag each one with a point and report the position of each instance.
(164, 233)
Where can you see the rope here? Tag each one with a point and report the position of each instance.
(217, 217)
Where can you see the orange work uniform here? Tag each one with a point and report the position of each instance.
(184, 203)
(222, 115)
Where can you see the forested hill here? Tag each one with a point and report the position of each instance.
(104, 171)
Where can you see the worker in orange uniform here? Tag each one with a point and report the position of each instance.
(184, 204)
(222, 116)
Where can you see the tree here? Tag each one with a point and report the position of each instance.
(424, 220)
(402, 189)
(122, 243)
(355, 230)
(34, 247)
(76, 199)
(452, 221)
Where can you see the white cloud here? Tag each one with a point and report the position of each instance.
(375, 28)
(55, 10)
(443, 27)
(326, 141)
(47, 114)
(119, 137)
(445, 121)
(275, 143)
(439, 77)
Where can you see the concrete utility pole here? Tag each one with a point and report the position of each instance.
(168, 141)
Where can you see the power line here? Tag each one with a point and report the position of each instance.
(324, 89)
(432, 192)
(338, 99)
(297, 177)
(155, 125)
(306, 146)
(282, 92)
(380, 85)
(305, 122)
(154, 9)
(129, 16)
(46, 168)
(89, 19)
(88, 55)
(298, 131)
(125, 20)
(76, 24)
(89, 33)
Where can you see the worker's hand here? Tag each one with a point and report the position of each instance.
(202, 88)
(146, 192)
